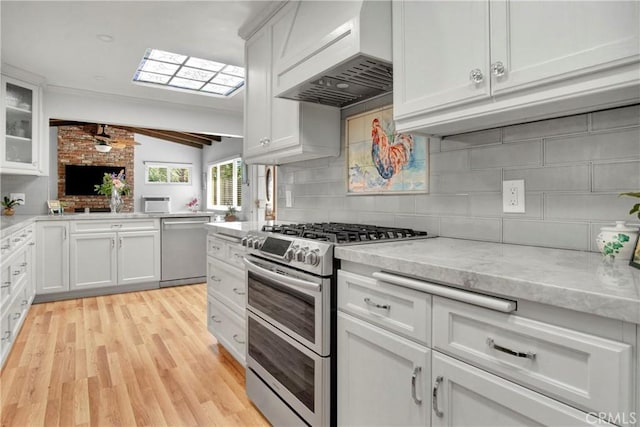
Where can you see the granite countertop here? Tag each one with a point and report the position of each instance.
(9, 224)
(582, 281)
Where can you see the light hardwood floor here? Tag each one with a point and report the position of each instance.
(140, 358)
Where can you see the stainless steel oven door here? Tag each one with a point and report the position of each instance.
(296, 374)
(295, 302)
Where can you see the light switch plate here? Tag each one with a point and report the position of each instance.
(16, 196)
(513, 196)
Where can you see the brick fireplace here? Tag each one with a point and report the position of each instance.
(76, 146)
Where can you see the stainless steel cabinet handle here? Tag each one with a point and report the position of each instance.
(64, 235)
(17, 315)
(376, 305)
(476, 76)
(24, 302)
(527, 355)
(32, 244)
(434, 401)
(217, 248)
(120, 243)
(7, 335)
(6, 285)
(24, 264)
(5, 247)
(216, 279)
(238, 291)
(113, 243)
(23, 235)
(416, 372)
(17, 239)
(16, 273)
(497, 68)
(215, 319)
(235, 338)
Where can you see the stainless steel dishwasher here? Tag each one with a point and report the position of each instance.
(184, 250)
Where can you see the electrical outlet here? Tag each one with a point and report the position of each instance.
(288, 197)
(16, 196)
(513, 196)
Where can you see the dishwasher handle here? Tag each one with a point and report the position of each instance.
(199, 223)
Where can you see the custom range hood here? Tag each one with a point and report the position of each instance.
(332, 52)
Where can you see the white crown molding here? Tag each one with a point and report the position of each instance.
(255, 22)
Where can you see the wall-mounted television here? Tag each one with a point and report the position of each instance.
(80, 180)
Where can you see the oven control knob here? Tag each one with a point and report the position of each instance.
(248, 241)
(312, 258)
(290, 254)
(258, 242)
(243, 241)
(301, 253)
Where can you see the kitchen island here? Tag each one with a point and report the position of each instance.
(521, 334)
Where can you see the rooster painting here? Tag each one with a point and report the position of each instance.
(383, 161)
(389, 158)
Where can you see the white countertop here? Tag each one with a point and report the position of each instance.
(237, 228)
(576, 280)
(9, 224)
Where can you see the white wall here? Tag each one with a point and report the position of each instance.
(157, 150)
(72, 104)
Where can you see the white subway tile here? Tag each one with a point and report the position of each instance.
(565, 235)
(552, 178)
(471, 139)
(594, 206)
(487, 229)
(559, 126)
(381, 219)
(449, 161)
(390, 203)
(520, 154)
(466, 182)
(617, 117)
(617, 176)
(430, 224)
(623, 144)
(441, 204)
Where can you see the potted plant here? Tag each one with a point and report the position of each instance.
(636, 207)
(231, 214)
(8, 205)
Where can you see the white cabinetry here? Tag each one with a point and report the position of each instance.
(22, 149)
(383, 379)
(508, 369)
(16, 288)
(460, 66)
(279, 130)
(226, 293)
(111, 253)
(52, 262)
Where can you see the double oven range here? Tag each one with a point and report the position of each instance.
(291, 307)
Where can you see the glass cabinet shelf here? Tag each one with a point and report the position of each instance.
(20, 105)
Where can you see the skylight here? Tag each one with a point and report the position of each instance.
(172, 70)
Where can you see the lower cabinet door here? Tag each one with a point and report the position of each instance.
(93, 260)
(138, 257)
(467, 396)
(228, 328)
(383, 379)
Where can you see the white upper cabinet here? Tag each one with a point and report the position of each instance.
(462, 66)
(280, 130)
(21, 146)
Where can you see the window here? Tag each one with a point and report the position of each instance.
(224, 187)
(165, 173)
(173, 70)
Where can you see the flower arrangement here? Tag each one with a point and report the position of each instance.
(193, 204)
(8, 204)
(111, 181)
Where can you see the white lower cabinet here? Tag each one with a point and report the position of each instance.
(52, 260)
(383, 379)
(228, 328)
(465, 396)
(104, 257)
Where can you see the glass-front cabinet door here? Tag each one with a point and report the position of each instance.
(20, 102)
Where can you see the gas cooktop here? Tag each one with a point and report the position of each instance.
(342, 233)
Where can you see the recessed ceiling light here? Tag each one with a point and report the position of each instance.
(105, 38)
(342, 85)
(174, 70)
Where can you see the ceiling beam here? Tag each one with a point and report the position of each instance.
(162, 135)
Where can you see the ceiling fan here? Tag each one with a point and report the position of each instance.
(104, 141)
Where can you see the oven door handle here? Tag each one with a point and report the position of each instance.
(290, 282)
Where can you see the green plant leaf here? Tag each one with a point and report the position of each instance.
(630, 194)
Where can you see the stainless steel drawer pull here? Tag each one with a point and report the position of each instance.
(24, 264)
(527, 355)
(215, 319)
(416, 372)
(7, 335)
(5, 285)
(217, 248)
(235, 338)
(238, 291)
(25, 302)
(17, 315)
(215, 279)
(376, 305)
(16, 273)
(32, 244)
(5, 247)
(434, 399)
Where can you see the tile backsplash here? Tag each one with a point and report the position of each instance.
(573, 167)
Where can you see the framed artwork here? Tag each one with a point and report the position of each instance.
(381, 160)
(635, 257)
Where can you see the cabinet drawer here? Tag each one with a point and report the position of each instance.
(228, 328)
(6, 338)
(236, 253)
(592, 373)
(5, 246)
(399, 309)
(217, 248)
(14, 270)
(96, 226)
(228, 284)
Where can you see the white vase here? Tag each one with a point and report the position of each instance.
(617, 242)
